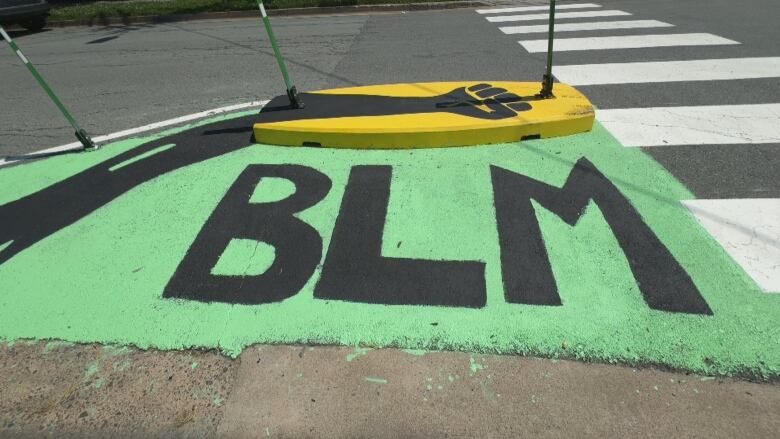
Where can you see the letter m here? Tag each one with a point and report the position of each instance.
(525, 266)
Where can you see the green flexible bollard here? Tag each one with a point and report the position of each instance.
(292, 93)
(81, 135)
(547, 80)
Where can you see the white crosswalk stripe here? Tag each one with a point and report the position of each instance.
(747, 228)
(695, 125)
(591, 25)
(537, 8)
(627, 42)
(749, 231)
(669, 71)
(559, 16)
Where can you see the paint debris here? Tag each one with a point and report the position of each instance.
(116, 351)
(357, 353)
(474, 366)
(123, 365)
(91, 369)
(487, 392)
(416, 352)
(55, 345)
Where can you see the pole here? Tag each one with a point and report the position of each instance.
(292, 93)
(80, 133)
(547, 79)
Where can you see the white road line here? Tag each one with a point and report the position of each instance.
(591, 25)
(669, 71)
(562, 15)
(627, 42)
(749, 231)
(536, 8)
(152, 126)
(699, 125)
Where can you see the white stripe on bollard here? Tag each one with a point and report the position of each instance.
(22, 57)
(262, 9)
(5, 35)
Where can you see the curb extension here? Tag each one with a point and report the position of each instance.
(325, 10)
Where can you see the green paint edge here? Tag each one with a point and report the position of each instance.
(740, 339)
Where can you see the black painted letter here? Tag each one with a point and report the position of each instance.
(525, 266)
(298, 245)
(356, 271)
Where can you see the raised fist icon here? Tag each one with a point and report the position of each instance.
(484, 101)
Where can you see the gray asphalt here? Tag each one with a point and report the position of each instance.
(121, 77)
(117, 78)
(709, 171)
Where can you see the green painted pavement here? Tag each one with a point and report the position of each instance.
(101, 279)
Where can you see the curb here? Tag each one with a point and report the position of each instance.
(326, 10)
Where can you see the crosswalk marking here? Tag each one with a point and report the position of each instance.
(669, 71)
(696, 125)
(537, 8)
(562, 15)
(591, 25)
(627, 42)
(749, 231)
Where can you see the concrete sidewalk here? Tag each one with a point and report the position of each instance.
(62, 390)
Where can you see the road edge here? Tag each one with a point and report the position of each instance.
(324, 10)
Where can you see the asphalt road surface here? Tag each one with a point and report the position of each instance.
(120, 77)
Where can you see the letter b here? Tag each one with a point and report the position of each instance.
(298, 246)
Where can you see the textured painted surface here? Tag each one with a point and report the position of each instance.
(102, 278)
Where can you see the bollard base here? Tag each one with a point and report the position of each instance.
(85, 140)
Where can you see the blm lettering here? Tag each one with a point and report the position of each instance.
(525, 266)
